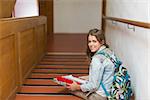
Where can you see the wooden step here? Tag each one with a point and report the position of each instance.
(60, 66)
(47, 76)
(64, 60)
(67, 53)
(44, 76)
(63, 63)
(40, 82)
(62, 71)
(46, 97)
(65, 57)
(43, 90)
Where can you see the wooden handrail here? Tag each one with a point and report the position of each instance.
(135, 23)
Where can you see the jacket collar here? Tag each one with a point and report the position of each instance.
(101, 48)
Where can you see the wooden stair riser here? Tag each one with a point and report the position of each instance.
(65, 57)
(47, 76)
(63, 63)
(40, 82)
(85, 71)
(43, 89)
(46, 97)
(64, 60)
(61, 67)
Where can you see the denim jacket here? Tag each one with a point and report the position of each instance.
(101, 69)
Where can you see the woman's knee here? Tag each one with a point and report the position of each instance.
(80, 94)
(95, 96)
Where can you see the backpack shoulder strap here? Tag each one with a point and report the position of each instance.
(115, 61)
(106, 92)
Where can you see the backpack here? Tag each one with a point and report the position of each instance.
(121, 85)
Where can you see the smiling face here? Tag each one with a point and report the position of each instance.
(93, 43)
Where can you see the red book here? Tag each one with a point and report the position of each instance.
(63, 80)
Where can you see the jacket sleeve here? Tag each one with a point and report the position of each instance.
(95, 75)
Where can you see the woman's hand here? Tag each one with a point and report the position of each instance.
(74, 86)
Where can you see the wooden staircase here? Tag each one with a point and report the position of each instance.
(40, 86)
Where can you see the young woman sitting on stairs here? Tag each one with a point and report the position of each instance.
(98, 71)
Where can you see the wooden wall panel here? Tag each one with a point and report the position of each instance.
(27, 51)
(0, 92)
(41, 40)
(5, 11)
(8, 66)
(18, 51)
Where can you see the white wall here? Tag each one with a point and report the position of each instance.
(133, 47)
(76, 16)
(149, 50)
(149, 64)
(26, 8)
